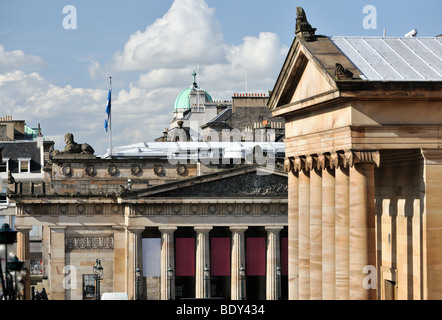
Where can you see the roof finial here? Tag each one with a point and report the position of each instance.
(303, 29)
(194, 79)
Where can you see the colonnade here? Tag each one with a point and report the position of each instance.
(202, 260)
(332, 225)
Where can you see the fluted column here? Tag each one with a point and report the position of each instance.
(272, 261)
(315, 234)
(202, 288)
(362, 223)
(24, 254)
(167, 260)
(304, 235)
(238, 261)
(293, 234)
(328, 230)
(342, 236)
(135, 260)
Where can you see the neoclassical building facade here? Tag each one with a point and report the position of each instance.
(363, 159)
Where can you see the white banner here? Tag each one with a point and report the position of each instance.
(151, 257)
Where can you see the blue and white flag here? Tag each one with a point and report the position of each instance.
(108, 111)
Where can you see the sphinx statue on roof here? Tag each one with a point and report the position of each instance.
(74, 148)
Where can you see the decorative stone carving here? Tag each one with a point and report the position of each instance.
(89, 243)
(135, 169)
(66, 169)
(341, 73)
(88, 170)
(366, 157)
(73, 147)
(303, 29)
(181, 170)
(112, 170)
(158, 170)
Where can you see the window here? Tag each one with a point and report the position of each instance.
(88, 287)
(4, 166)
(23, 165)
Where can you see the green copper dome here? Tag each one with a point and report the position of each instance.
(182, 101)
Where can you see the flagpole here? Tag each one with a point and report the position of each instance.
(110, 120)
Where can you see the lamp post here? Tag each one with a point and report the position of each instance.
(7, 236)
(206, 281)
(278, 282)
(169, 280)
(98, 274)
(137, 283)
(242, 279)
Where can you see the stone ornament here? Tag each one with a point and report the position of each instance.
(112, 170)
(135, 169)
(181, 170)
(66, 170)
(73, 147)
(158, 170)
(88, 169)
(89, 243)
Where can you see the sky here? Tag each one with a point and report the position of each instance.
(56, 56)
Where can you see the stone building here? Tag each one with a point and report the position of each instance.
(363, 158)
(196, 223)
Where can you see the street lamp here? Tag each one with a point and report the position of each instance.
(15, 265)
(206, 281)
(137, 283)
(98, 274)
(242, 279)
(278, 282)
(169, 280)
(7, 236)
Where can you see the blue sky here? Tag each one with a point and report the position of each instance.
(60, 77)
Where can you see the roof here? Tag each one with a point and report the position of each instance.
(394, 59)
(183, 99)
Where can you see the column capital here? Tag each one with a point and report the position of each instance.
(23, 229)
(203, 229)
(165, 229)
(273, 228)
(238, 228)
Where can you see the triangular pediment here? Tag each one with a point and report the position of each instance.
(309, 75)
(241, 182)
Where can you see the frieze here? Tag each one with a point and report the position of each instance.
(71, 209)
(89, 243)
(209, 209)
(250, 184)
(332, 160)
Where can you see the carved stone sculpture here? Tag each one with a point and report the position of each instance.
(303, 29)
(73, 147)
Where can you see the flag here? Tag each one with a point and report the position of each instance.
(108, 111)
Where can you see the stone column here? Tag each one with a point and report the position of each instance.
(342, 236)
(328, 233)
(304, 235)
(238, 261)
(432, 225)
(293, 234)
(202, 261)
(57, 264)
(24, 254)
(272, 261)
(167, 260)
(120, 259)
(362, 224)
(135, 260)
(315, 234)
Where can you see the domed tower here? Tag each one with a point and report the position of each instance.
(193, 106)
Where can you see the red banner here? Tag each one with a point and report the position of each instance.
(284, 257)
(220, 257)
(256, 256)
(185, 257)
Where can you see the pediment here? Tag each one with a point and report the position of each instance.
(242, 182)
(309, 75)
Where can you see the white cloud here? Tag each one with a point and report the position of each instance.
(162, 57)
(188, 32)
(18, 60)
